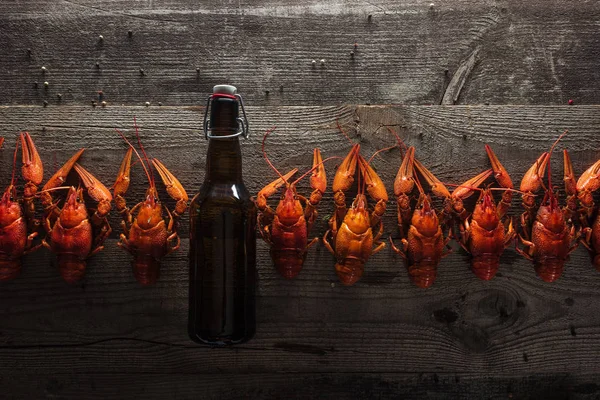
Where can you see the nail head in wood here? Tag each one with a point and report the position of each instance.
(100, 38)
(147, 104)
(45, 103)
(142, 73)
(46, 84)
(44, 70)
(103, 104)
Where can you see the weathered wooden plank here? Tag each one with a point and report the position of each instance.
(434, 385)
(528, 53)
(515, 325)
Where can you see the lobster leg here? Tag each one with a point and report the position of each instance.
(503, 179)
(401, 252)
(33, 173)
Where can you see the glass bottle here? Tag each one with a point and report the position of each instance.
(222, 260)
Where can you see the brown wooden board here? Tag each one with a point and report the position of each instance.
(423, 52)
(383, 337)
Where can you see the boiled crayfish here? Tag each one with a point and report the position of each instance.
(74, 235)
(423, 240)
(18, 226)
(146, 235)
(286, 228)
(550, 238)
(484, 235)
(350, 237)
(589, 215)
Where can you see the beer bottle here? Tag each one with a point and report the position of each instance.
(222, 258)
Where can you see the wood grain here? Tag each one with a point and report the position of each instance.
(408, 51)
(461, 338)
(433, 385)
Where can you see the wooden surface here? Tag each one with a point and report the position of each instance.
(470, 52)
(107, 337)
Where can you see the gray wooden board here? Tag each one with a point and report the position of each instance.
(499, 52)
(462, 337)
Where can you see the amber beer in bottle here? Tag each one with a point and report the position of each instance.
(223, 232)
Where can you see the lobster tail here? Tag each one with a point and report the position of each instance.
(288, 262)
(550, 269)
(146, 270)
(349, 270)
(485, 268)
(71, 268)
(9, 269)
(423, 275)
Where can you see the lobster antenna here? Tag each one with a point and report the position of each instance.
(403, 146)
(137, 154)
(315, 167)
(550, 157)
(267, 158)
(500, 189)
(12, 180)
(384, 149)
(337, 121)
(137, 134)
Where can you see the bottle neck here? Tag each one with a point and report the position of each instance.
(224, 161)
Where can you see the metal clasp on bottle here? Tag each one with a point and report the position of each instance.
(242, 122)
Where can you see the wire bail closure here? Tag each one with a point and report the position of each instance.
(242, 122)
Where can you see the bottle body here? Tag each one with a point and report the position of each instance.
(222, 264)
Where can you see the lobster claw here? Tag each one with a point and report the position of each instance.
(271, 189)
(61, 175)
(174, 187)
(375, 186)
(590, 179)
(437, 187)
(95, 189)
(569, 175)
(318, 179)
(344, 176)
(405, 182)
(466, 189)
(532, 180)
(500, 173)
(122, 182)
(33, 169)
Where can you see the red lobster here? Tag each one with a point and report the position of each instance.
(146, 235)
(423, 241)
(18, 226)
(350, 236)
(74, 235)
(483, 235)
(550, 238)
(286, 228)
(586, 185)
